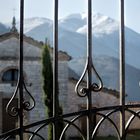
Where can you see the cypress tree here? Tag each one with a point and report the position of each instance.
(47, 74)
(47, 85)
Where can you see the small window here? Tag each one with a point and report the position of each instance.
(10, 76)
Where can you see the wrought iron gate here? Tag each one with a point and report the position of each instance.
(85, 92)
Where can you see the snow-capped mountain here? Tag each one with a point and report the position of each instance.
(72, 36)
(73, 40)
(72, 22)
(34, 22)
(100, 25)
(41, 32)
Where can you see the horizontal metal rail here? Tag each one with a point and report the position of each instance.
(98, 111)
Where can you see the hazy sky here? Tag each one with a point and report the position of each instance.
(44, 8)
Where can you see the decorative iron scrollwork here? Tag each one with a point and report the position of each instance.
(14, 111)
(27, 105)
(89, 67)
(82, 92)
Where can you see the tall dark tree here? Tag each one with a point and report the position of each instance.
(47, 73)
(47, 85)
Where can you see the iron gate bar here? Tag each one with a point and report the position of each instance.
(55, 64)
(89, 69)
(21, 70)
(122, 70)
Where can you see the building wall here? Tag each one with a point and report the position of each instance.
(33, 77)
(10, 48)
(63, 84)
(99, 99)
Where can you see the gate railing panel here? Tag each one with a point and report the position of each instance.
(85, 92)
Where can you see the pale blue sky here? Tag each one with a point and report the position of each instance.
(44, 8)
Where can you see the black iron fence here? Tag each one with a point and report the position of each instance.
(92, 125)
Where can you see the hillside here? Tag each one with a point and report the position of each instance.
(3, 28)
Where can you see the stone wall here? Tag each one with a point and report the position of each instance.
(32, 75)
(63, 84)
(100, 99)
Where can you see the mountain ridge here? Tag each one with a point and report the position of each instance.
(105, 47)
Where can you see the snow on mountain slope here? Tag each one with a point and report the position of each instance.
(72, 22)
(41, 32)
(100, 25)
(72, 35)
(68, 41)
(68, 37)
(34, 22)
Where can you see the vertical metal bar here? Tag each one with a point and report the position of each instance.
(21, 69)
(55, 63)
(89, 76)
(122, 70)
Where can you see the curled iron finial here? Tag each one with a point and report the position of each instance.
(26, 104)
(81, 91)
(96, 87)
(13, 111)
(89, 67)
